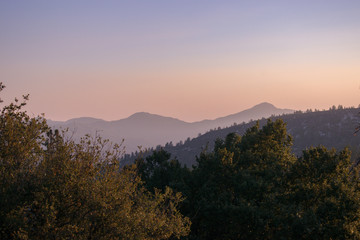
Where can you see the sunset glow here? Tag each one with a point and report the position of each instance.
(185, 59)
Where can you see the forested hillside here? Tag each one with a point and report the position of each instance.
(333, 128)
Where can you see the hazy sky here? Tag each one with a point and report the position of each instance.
(186, 59)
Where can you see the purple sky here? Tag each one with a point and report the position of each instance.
(186, 59)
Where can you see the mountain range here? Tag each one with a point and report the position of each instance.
(149, 130)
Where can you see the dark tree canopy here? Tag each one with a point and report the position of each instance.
(253, 187)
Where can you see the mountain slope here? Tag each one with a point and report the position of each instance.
(258, 111)
(149, 130)
(332, 129)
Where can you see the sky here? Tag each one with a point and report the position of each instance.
(191, 60)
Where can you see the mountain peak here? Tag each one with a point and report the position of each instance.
(140, 115)
(86, 120)
(264, 105)
(145, 116)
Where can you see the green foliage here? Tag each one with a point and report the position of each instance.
(20, 152)
(239, 185)
(56, 189)
(325, 196)
(253, 187)
(158, 171)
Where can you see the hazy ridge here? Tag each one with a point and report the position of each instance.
(149, 130)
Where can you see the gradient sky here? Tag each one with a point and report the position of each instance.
(186, 59)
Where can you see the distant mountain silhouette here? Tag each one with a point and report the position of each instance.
(149, 130)
(258, 111)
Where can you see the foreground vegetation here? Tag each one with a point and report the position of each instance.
(249, 187)
(56, 189)
(253, 187)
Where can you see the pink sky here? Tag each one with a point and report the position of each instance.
(191, 61)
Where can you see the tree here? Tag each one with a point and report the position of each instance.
(159, 171)
(324, 196)
(253, 187)
(237, 189)
(57, 189)
(20, 152)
